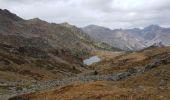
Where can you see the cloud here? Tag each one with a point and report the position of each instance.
(109, 13)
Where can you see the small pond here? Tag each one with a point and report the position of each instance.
(91, 60)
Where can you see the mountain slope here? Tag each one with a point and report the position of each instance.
(154, 34)
(116, 38)
(130, 39)
(35, 49)
(132, 76)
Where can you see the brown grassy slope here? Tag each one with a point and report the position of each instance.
(130, 60)
(20, 67)
(151, 85)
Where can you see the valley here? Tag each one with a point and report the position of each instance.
(144, 77)
(48, 61)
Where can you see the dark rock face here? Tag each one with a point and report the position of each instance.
(123, 75)
(152, 65)
(132, 70)
(157, 63)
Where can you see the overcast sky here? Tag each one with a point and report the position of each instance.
(109, 13)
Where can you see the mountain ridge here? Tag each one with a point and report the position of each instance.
(38, 50)
(130, 39)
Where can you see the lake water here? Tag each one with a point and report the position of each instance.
(91, 60)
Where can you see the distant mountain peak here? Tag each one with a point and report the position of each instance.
(158, 44)
(92, 26)
(152, 27)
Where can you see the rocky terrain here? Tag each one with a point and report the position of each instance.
(130, 39)
(44, 61)
(35, 49)
(131, 78)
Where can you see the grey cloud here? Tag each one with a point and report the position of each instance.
(109, 13)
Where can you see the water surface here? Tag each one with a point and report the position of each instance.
(91, 60)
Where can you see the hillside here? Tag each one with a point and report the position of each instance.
(37, 50)
(132, 76)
